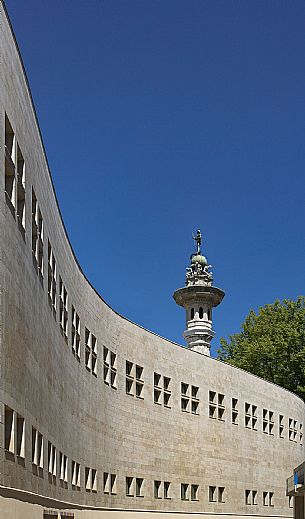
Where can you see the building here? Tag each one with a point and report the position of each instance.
(99, 416)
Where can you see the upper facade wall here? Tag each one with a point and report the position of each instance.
(174, 416)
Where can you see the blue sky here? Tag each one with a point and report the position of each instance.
(163, 117)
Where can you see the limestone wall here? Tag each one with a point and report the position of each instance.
(88, 421)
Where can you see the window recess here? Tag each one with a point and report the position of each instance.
(110, 368)
(217, 406)
(37, 236)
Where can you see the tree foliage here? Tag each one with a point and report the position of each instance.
(271, 344)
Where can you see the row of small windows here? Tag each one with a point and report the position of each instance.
(53, 514)
(267, 498)
(57, 467)
(57, 461)
(217, 410)
(15, 195)
(162, 396)
(198, 313)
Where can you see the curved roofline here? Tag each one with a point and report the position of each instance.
(69, 242)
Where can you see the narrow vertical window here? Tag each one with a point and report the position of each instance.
(139, 486)
(20, 436)
(75, 333)
(167, 489)
(184, 491)
(234, 411)
(52, 279)
(9, 429)
(10, 160)
(212, 494)
(20, 192)
(63, 309)
(194, 492)
(129, 486)
(157, 487)
(37, 236)
(221, 494)
(90, 352)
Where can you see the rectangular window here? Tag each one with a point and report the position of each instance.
(20, 192)
(9, 429)
(281, 426)
(194, 492)
(52, 279)
(51, 459)
(20, 436)
(157, 489)
(212, 404)
(75, 474)
(75, 333)
(271, 499)
(221, 494)
(63, 467)
(212, 494)
(93, 480)
(251, 497)
(10, 161)
(87, 479)
(185, 397)
(63, 309)
(109, 483)
(110, 370)
(90, 352)
(90, 480)
(166, 490)
(37, 448)
(139, 487)
(134, 379)
(189, 398)
(113, 488)
(184, 491)
(268, 421)
(129, 486)
(195, 399)
(139, 381)
(106, 483)
(37, 236)
(268, 498)
(293, 430)
(217, 406)
(301, 434)
(234, 411)
(251, 416)
(162, 392)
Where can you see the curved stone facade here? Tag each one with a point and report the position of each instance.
(85, 393)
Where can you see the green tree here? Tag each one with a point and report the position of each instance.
(271, 344)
